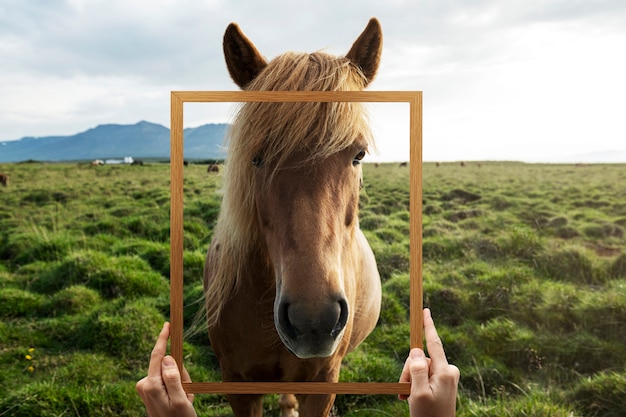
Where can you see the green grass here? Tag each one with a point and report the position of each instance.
(524, 269)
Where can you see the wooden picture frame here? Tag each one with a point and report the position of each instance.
(178, 98)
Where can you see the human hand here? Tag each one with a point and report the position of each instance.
(162, 390)
(433, 381)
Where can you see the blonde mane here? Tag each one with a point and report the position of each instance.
(269, 133)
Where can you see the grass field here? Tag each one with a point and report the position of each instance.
(524, 269)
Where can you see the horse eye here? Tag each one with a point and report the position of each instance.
(357, 159)
(257, 161)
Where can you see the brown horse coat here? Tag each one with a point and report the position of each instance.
(291, 284)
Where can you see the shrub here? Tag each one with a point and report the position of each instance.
(112, 277)
(397, 287)
(48, 398)
(363, 366)
(600, 231)
(580, 351)
(440, 248)
(125, 330)
(604, 313)
(554, 304)
(45, 247)
(481, 374)
(569, 265)
(521, 242)
(107, 225)
(446, 303)
(24, 248)
(566, 232)
(500, 203)
(392, 311)
(402, 216)
(143, 225)
(460, 215)
(512, 344)
(26, 274)
(194, 233)
(40, 197)
(372, 221)
(84, 368)
(531, 405)
(193, 265)
(497, 291)
(389, 235)
(19, 303)
(603, 395)
(618, 267)
(482, 247)
(390, 341)
(207, 211)
(391, 259)
(557, 222)
(72, 300)
(157, 254)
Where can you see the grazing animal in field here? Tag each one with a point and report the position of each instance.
(437, 164)
(213, 168)
(137, 162)
(291, 283)
(462, 164)
(403, 164)
(4, 180)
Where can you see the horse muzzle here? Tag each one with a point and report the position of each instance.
(311, 330)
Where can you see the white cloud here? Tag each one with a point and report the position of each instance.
(504, 80)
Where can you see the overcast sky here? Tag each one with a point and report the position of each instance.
(528, 80)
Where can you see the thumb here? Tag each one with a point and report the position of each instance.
(172, 380)
(418, 367)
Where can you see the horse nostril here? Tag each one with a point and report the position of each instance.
(284, 322)
(342, 320)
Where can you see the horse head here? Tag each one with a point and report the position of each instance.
(304, 163)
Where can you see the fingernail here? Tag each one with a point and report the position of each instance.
(417, 353)
(168, 361)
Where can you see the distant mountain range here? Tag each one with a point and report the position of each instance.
(151, 140)
(141, 140)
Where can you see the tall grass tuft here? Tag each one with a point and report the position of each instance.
(603, 395)
(122, 276)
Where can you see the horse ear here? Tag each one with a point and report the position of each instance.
(243, 60)
(366, 50)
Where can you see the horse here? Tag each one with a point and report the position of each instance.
(4, 180)
(291, 284)
(213, 168)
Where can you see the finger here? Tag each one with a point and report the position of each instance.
(187, 378)
(405, 376)
(434, 344)
(140, 386)
(418, 368)
(173, 381)
(160, 347)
